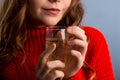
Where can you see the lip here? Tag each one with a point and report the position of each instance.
(53, 11)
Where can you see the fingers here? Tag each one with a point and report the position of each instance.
(78, 45)
(78, 56)
(45, 69)
(43, 59)
(55, 64)
(48, 71)
(77, 32)
(55, 74)
(80, 42)
(44, 56)
(50, 65)
(48, 52)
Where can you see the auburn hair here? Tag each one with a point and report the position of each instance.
(12, 28)
(13, 23)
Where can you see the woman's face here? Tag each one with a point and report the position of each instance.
(49, 12)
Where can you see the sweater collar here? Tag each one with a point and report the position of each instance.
(35, 40)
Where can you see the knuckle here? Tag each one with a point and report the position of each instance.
(75, 40)
(48, 66)
(58, 62)
(58, 73)
(80, 29)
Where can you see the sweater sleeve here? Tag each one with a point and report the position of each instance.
(97, 56)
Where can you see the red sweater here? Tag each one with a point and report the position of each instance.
(97, 56)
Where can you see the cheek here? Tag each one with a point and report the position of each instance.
(35, 10)
(66, 5)
(34, 5)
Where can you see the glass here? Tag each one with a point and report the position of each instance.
(59, 37)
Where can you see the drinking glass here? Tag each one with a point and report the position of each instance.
(59, 37)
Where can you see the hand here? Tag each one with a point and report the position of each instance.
(48, 69)
(76, 53)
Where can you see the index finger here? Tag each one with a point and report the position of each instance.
(44, 56)
(77, 32)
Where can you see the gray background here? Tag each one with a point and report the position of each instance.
(105, 16)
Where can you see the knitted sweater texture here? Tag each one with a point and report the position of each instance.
(97, 56)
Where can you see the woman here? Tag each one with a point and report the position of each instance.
(22, 42)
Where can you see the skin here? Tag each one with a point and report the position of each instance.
(37, 8)
(49, 69)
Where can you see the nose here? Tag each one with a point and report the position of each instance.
(54, 0)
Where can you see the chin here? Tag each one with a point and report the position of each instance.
(51, 22)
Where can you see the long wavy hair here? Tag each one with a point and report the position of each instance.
(13, 23)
